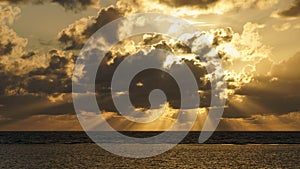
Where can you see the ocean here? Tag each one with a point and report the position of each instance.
(222, 150)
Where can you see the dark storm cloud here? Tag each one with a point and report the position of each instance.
(74, 38)
(76, 34)
(21, 107)
(28, 55)
(276, 94)
(34, 87)
(197, 3)
(76, 5)
(206, 4)
(41, 91)
(55, 78)
(151, 79)
(292, 11)
(6, 80)
(198, 6)
(29, 94)
(6, 49)
(52, 79)
(72, 5)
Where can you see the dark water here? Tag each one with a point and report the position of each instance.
(182, 156)
(222, 150)
(191, 138)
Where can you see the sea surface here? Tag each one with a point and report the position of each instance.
(222, 150)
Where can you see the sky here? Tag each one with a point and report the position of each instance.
(257, 41)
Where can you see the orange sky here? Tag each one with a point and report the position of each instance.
(258, 41)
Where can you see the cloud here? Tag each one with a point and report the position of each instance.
(21, 68)
(71, 5)
(273, 94)
(285, 122)
(33, 83)
(8, 14)
(42, 82)
(18, 108)
(14, 59)
(76, 34)
(43, 123)
(194, 7)
(57, 74)
(151, 79)
(282, 27)
(240, 53)
(220, 4)
(9, 42)
(292, 11)
(42, 91)
(52, 79)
